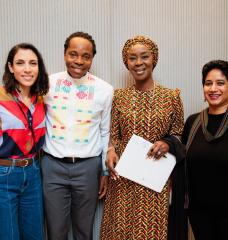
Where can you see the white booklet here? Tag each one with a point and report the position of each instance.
(136, 166)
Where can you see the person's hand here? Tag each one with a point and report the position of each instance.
(112, 159)
(158, 150)
(103, 186)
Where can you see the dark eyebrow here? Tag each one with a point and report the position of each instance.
(19, 59)
(87, 53)
(22, 60)
(142, 53)
(217, 80)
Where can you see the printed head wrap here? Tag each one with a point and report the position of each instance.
(151, 45)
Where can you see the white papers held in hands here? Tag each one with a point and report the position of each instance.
(136, 166)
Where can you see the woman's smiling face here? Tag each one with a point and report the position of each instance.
(216, 90)
(140, 62)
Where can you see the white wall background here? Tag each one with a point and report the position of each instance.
(189, 33)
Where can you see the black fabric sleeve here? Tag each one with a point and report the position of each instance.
(175, 147)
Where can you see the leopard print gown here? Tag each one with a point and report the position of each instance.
(131, 211)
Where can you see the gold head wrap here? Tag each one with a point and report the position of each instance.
(151, 45)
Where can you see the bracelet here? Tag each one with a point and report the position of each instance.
(110, 148)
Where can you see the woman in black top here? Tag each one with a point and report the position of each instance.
(206, 138)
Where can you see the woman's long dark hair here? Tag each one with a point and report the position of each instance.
(40, 87)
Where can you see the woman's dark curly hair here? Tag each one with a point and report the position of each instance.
(215, 64)
(40, 87)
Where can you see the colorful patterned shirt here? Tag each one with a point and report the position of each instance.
(16, 138)
(78, 116)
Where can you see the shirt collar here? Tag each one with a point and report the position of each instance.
(78, 80)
